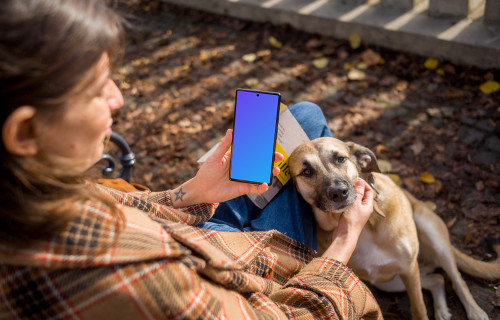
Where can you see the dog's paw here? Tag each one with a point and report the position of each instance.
(477, 314)
(443, 314)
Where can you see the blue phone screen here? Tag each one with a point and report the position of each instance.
(255, 121)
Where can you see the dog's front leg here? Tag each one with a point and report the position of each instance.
(414, 289)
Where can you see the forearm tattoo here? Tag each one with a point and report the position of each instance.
(179, 195)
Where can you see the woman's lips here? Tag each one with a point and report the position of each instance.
(108, 130)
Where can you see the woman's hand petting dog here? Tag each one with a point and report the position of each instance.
(351, 223)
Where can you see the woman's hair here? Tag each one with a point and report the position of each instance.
(47, 48)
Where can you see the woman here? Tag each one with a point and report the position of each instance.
(72, 249)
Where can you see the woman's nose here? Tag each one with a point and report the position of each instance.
(114, 95)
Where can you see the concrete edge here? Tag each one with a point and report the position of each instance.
(465, 42)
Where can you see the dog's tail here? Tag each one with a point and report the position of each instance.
(481, 269)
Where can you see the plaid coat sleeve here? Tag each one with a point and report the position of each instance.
(159, 204)
(152, 268)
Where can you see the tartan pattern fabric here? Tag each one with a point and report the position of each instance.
(155, 265)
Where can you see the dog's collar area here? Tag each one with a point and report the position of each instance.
(371, 183)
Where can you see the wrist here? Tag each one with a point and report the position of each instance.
(347, 231)
(344, 241)
(185, 194)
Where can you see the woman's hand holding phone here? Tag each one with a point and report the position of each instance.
(211, 183)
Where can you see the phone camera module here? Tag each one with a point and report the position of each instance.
(257, 94)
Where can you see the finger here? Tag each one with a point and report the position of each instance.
(368, 196)
(359, 186)
(224, 145)
(261, 188)
(253, 188)
(276, 171)
(365, 191)
(278, 157)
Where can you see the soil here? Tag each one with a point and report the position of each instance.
(430, 125)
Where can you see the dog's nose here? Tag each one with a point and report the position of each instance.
(337, 193)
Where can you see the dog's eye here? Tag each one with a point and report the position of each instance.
(341, 159)
(306, 172)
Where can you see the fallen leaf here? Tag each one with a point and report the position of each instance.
(124, 85)
(417, 147)
(356, 75)
(348, 66)
(479, 186)
(489, 87)
(203, 56)
(448, 68)
(394, 177)
(456, 93)
(355, 40)
(384, 166)
(370, 57)
(172, 117)
(402, 85)
(321, 63)
(450, 223)
(342, 55)
(362, 66)
(251, 82)
(388, 80)
(275, 42)
(249, 57)
(313, 43)
(489, 76)
(379, 149)
(165, 104)
(440, 72)
(468, 238)
(263, 53)
(427, 178)
(431, 63)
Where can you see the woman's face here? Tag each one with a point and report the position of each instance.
(76, 138)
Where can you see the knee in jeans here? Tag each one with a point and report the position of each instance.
(306, 109)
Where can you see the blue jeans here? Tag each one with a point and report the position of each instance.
(287, 212)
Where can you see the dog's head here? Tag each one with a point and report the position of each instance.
(325, 170)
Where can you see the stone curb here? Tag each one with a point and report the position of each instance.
(461, 41)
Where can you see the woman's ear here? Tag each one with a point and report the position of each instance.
(18, 132)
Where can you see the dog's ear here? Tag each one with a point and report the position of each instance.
(364, 158)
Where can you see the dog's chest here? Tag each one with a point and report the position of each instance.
(379, 262)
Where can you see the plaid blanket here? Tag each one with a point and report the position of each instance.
(156, 265)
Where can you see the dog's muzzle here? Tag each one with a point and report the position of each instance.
(338, 191)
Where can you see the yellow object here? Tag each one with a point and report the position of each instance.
(355, 40)
(321, 63)
(427, 177)
(284, 175)
(431, 63)
(489, 87)
(275, 42)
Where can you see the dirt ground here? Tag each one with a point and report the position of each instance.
(427, 120)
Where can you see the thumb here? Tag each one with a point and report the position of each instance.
(364, 191)
(224, 145)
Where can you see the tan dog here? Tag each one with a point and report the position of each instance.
(400, 230)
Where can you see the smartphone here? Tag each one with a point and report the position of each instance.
(255, 126)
